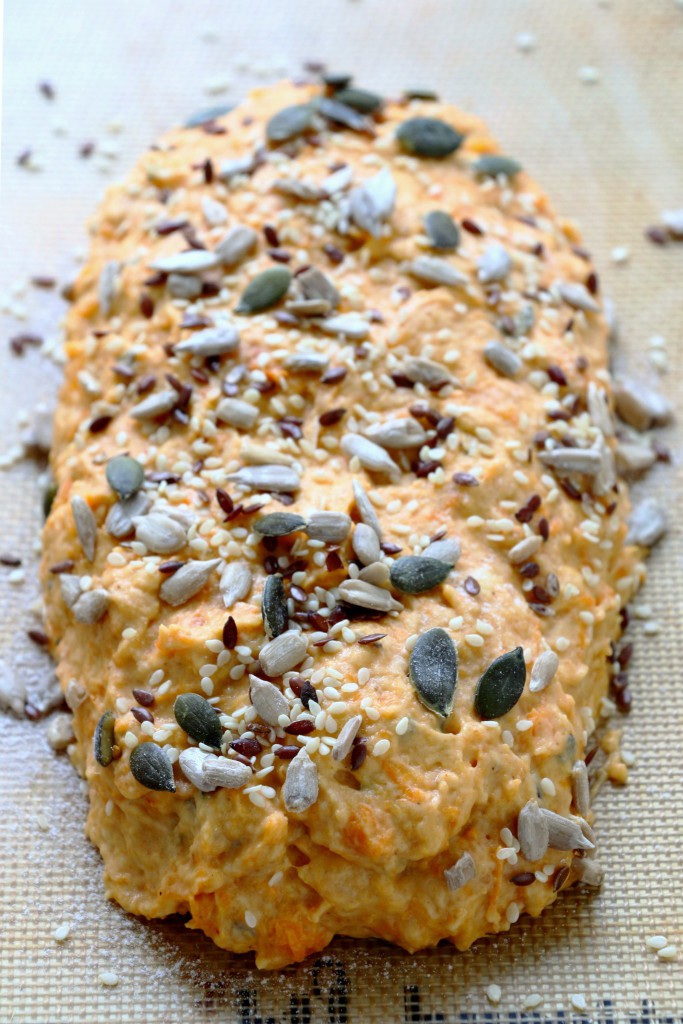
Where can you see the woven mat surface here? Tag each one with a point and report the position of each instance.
(610, 154)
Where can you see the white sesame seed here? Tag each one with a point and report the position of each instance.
(512, 912)
(474, 640)
(129, 633)
(620, 254)
(578, 1001)
(207, 687)
(156, 677)
(402, 726)
(257, 799)
(525, 42)
(667, 952)
(380, 748)
(589, 75)
(657, 941)
(548, 786)
(372, 713)
(524, 725)
(531, 1001)
(277, 877)
(131, 740)
(561, 644)
(108, 978)
(508, 738)
(109, 808)
(363, 676)
(61, 932)
(494, 994)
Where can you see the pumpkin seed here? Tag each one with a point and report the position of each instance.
(315, 285)
(428, 136)
(158, 404)
(370, 455)
(300, 790)
(236, 244)
(330, 527)
(274, 606)
(279, 524)
(532, 832)
(208, 114)
(494, 264)
(345, 739)
(359, 99)
(372, 204)
(366, 509)
(365, 543)
(350, 325)
(290, 122)
(398, 433)
(192, 261)
(213, 341)
(198, 719)
(446, 550)
(91, 606)
(502, 359)
(267, 478)
(573, 460)
(237, 413)
(442, 230)
(264, 290)
(337, 79)
(339, 113)
(367, 595)
(149, 764)
(223, 772)
(49, 495)
(578, 297)
(179, 588)
(433, 270)
(647, 525)
(125, 476)
(543, 672)
(159, 533)
(501, 685)
(86, 526)
(415, 574)
(419, 93)
(580, 788)
(103, 742)
(108, 286)
(283, 653)
(433, 670)
(427, 372)
(235, 583)
(492, 164)
(191, 763)
(462, 872)
(267, 700)
(565, 833)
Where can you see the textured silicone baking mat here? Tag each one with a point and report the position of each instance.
(610, 152)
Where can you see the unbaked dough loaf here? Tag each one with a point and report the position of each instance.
(350, 487)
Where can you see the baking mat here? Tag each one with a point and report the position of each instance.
(607, 144)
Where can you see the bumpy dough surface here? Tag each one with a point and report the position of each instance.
(368, 857)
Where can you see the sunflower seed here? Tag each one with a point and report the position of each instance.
(157, 404)
(279, 524)
(307, 362)
(198, 719)
(107, 286)
(365, 543)
(91, 606)
(308, 307)
(370, 455)
(213, 341)
(578, 297)
(580, 788)
(523, 551)
(315, 285)
(426, 371)
(366, 509)
(75, 694)
(191, 763)
(573, 460)
(543, 672)
(462, 872)
(86, 526)
(415, 574)
(376, 573)
(149, 764)
(280, 479)
(362, 100)
(300, 790)
(214, 212)
(502, 359)
(70, 588)
(639, 406)
(264, 290)
(236, 244)
(230, 169)
(290, 122)
(494, 264)
(193, 261)
(446, 550)
(237, 413)
(532, 832)
(306, 191)
(366, 595)
(330, 527)
(338, 181)
(235, 583)
(283, 653)
(260, 455)
(179, 588)
(372, 204)
(60, 731)
(399, 433)
(184, 286)
(267, 700)
(125, 476)
(501, 685)
(274, 606)
(434, 270)
(210, 114)
(427, 136)
(633, 460)
(346, 736)
(103, 741)
(182, 514)
(433, 671)
(647, 524)
(350, 325)
(160, 534)
(225, 773)
(588, 871)
(442, 231)
(565, 833)
(599, 410)
(492, 164)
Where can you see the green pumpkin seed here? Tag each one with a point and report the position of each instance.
(501, 685)
(339, 113)
(434, 670)
(359, 99)
(151, 767)
(274, 606)
(427, 136)
(289, 122)
(264, 290)
(492, 164)
(337, 79)
(125, 476)
(279, 524)
(201, 117)
(49, 495)
(421, 94)
(442, 231)
(198, 719)
(103, 742)
(414, 574)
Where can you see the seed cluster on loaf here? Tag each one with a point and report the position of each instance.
(338, 548)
